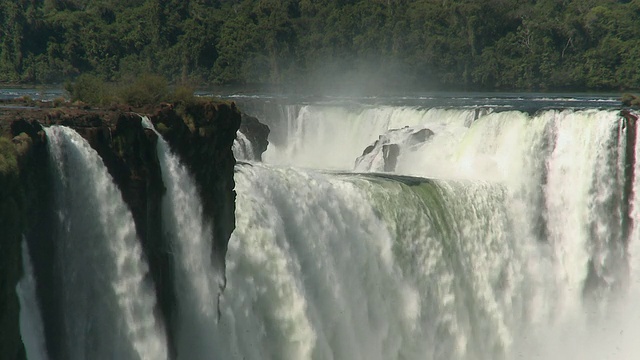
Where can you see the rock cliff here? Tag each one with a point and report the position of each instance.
(201, 133)
(257, 133)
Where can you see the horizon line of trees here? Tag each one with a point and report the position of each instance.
(427, 44)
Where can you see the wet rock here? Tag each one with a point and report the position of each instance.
(389, 147)
(390, 154)
(257, 133)
(201, 134)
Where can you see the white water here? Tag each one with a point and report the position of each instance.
(523, 241)
(328, 267)
(329, 137)
(242, 147)
(191, 237)
(301, 283)
(487, 261)
(31, 327)
(107, 299)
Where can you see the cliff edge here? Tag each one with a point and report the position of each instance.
(200, 132)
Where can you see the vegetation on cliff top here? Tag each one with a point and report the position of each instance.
(531, 44)
(147, 89)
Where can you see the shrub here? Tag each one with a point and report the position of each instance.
(27, 100)
(183, 94)
(90, 89)
(57, 102)
(147, 89)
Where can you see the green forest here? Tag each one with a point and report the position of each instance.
(427, 44)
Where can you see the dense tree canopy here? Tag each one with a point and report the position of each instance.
(459, 44)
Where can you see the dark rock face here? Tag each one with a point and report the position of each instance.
(421, 135)
(390, 154)
(257, 133)
(12, 219)
(201, 133)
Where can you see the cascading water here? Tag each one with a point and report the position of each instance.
(510, 244)
(31, 327)
(242, 147)
(105, 296)
(524, 252)
(351, 267)
(296, 287)
(191, 238)
(329, 137)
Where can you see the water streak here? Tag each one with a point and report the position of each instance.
(242, 148)
(31, 327)
(190, 235)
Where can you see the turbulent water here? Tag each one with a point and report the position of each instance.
(497, 235)
(516, 249)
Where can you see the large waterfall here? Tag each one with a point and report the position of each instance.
(106, 301)
(522, 246)
(369, 232)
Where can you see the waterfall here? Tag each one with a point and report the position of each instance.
(106, 297)
(352, 267)
(331, 137)
(295, 288)
(31, 328)
(190, 236)
(242, 147)
(496, 235)
(514, 245)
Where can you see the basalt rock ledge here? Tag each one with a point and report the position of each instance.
(201, 133)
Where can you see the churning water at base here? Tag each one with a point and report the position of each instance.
(107, 301)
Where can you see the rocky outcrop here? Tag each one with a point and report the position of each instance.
(201, 133)
(257, 133)
(390, 154)
(388, 147)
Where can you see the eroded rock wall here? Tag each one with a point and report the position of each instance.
(201, 133)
